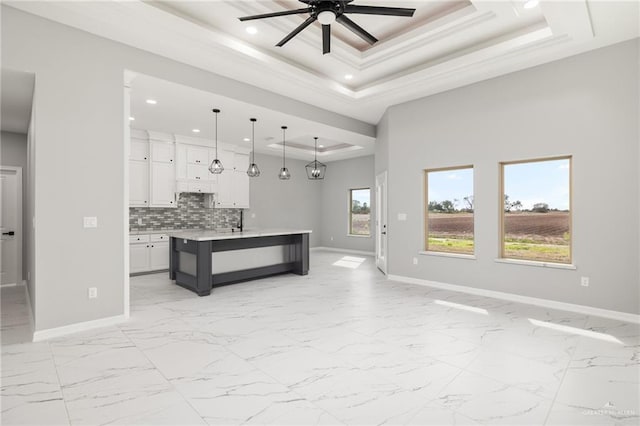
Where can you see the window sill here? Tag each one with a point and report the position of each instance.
(442, 254)
(358, 236)
(537, 264)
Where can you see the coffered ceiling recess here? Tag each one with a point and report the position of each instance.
(446, 44)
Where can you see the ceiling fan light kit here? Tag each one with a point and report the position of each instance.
(327, 12)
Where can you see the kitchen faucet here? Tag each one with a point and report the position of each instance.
(239, 224)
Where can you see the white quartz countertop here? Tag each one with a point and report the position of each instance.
(204, 235)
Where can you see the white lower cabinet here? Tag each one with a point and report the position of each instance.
(159, 256)
(148, 253)
(138, 257)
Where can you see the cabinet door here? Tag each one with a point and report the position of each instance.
(138, 183)
(198, 155)
(139, 257)
(241, 161)
(139, 150)
(241, 184)
(163, 181)
(198, 172)
(159, 256)
(162, 152)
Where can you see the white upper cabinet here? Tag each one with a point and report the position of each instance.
(139, 171)
(152, 173)
(198, 155)
(139, 150)
(138, 183)
(162, 152)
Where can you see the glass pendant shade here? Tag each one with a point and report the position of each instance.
(253, 170)
(316, 169)
(216, 166)
(284, 172)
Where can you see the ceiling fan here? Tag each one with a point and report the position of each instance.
(329, 11)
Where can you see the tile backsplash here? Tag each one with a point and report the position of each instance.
(190, 213)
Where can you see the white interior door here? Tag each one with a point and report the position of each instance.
(11, 225)
(381, 221)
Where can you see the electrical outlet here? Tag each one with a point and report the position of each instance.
(415, 260)
(584, 281)
(90, 222)
(253, 215)
(402, 217)
(93, 292)
(331, 238)
(139, 221)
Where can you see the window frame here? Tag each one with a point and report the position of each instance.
(501, 240)
(426, 210)
(350, 221)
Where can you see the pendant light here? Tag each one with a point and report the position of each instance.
(253, 170)
(216, 166)
(284, 172)
(315, 169)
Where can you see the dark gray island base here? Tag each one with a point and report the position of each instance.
(201, 260)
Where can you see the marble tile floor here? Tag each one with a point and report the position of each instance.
(340, 346)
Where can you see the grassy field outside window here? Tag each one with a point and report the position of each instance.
(449, 210)
(360, 212)
(536, 213)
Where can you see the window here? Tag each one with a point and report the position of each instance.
(449, 210)
(536, 213)
(360, 212)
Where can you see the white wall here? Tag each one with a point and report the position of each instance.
(341, 176)
(293, 203)
(13, 152)
(585, 106)
(80, 153)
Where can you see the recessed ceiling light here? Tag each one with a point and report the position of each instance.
(252, 30)
(196, 130)
(320, 146)
(132, 118)
(348, 76)
(530, 4)
(152, 101)
(246, 139)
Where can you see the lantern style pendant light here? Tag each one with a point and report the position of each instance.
(216, 166)
(315, 169)
(253, 170)
(284, 172)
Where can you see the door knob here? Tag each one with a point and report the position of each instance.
(384, 233)
(9, 233)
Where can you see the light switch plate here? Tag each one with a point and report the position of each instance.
(402, 216)
(90, 222)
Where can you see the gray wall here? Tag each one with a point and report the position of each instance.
(80, 156)
(13, 152)
(586, 106)
(293, 203)
(340, 177)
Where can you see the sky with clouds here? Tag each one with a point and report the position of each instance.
(530, 183)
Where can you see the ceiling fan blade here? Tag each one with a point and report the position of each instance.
(273, 15)
(356, 29)
(376, 10)
(295, 32)
(326, 39)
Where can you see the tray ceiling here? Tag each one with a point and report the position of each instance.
(447, 44)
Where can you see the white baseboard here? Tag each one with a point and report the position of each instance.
(75, 328)
(545, 303)
(340, 250)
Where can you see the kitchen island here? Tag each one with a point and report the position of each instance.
(200, 260)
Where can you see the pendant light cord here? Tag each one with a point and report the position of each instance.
(284, 129)
(253, 141)
(315, 152)
(216, 133)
